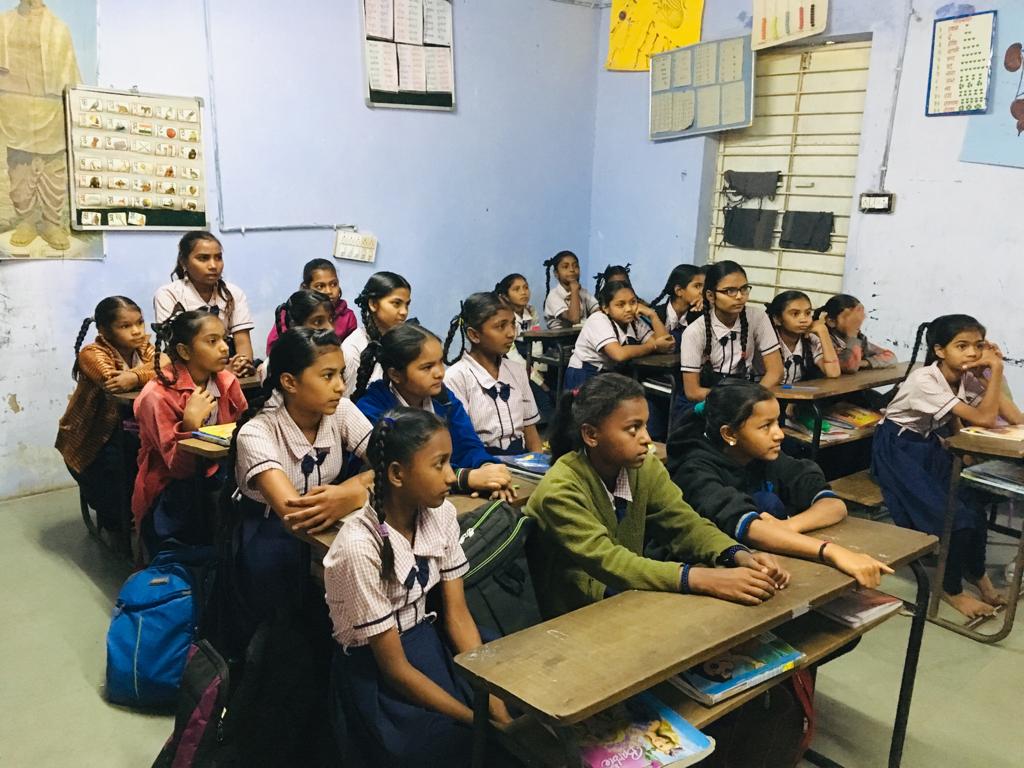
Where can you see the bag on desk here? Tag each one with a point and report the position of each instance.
(499, 590)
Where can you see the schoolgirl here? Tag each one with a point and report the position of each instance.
(494, 390)
(411, 358)
(805, 342)
(732, 339)
(516, 291)
(119, 360)
(726, 457)
(196, 389)
(383, 303)
(684, 299)
(320, 275)
(291, 448)
(606, 495)
(913, 466)
(615, 335)
(304, 308)
(198, 283)
(393, 680)
(568, 303)
(844, 315)
(617, 272)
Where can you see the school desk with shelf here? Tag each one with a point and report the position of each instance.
(558, 343)
(555, 671)
(980, 447)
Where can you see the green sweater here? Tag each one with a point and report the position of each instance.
(580, 550)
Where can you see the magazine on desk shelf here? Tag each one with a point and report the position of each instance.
(850, 416)
(1006, 475)
(748, 664)
(860, 606)
(1013, 432)
(534, 463)
(219, 434)
(641, 732)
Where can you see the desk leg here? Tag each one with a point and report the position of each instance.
(481, 726)
(947, 534)
(570, 747)
(899, 730)
(677, 378)
(816, 434)
(123, 491)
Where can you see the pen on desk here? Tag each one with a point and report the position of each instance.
(798, 389)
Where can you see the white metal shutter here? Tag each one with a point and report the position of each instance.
(808, 109)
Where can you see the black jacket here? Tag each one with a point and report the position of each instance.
(724, 491)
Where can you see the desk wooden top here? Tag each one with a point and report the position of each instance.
(576, 665)
(965, 442)
(203, 448)
(848, 383)
(668, 361)
(127, 398)
(551, 334)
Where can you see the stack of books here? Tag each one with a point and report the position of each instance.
(220, 434)
(535, 464)
(1013, 432)
(842, 421)
(642, 732)
(860, 606)
(1002, 475)
(748, 664)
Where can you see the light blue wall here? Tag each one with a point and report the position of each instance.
(457, 200)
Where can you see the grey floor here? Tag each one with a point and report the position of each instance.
(58, 587)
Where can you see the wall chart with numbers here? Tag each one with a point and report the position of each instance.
(702, 88)
(961, 64)
(136, 160)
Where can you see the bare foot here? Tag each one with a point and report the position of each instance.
(969, 606)
(989, 593)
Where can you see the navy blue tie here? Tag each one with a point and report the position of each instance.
(500, 390)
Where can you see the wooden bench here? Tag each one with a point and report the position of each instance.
(858, 488)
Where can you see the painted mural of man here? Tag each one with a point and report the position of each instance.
(37, 61)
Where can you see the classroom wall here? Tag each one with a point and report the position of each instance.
(456, 200)
(954, 222)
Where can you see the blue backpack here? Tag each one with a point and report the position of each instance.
(153, 626)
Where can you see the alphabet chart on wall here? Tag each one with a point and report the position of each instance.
(961, 64)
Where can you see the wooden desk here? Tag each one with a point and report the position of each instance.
(982, 447)
(660, 364)
(203, 448)
(549, 669)
(552, 334)
(814, 391)
(563, 340)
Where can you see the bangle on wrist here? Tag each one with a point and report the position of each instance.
(684, 579)
(728, 557)
(821, 551)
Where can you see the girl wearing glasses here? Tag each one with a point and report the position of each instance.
(732, 339)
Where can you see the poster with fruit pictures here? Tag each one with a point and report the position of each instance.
(136, 160)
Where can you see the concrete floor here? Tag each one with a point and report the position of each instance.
(59, 586)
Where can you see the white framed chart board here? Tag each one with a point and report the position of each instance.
(407, 54)
(702, 88)
(961, 64)
(136, 160)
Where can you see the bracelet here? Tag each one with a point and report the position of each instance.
(684, 579)
(821, 551)
(728, 557)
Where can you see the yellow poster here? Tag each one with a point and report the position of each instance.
(639, 28)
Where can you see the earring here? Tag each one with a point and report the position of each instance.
(731, 443)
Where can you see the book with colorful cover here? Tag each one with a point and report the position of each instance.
(860, 606)
(748, 664)
(1004, 475)
(852, 416)
(534, 463)
(1007, 432)
(219, 434)
(641, 732)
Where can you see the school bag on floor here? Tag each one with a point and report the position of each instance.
(499, 590)
(153, 625)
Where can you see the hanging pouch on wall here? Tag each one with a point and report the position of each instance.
(749, 184)
(750, 227)
(807, 230)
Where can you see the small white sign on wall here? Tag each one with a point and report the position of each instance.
(355, 246)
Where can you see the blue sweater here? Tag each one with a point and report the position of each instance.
(468, 452)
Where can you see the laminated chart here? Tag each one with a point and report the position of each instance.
(783, 21)
(702, 88)
(961, 64)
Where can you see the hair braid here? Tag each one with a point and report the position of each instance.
(229, 299)
(921, 329)
(744, 331)
(457, 325)
(282, 318)
(78, 345)
(367, 360)
(548, 264)
(161, 339)
(807, 355)
(378, 449)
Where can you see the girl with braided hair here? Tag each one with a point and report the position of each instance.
(383, 303)
(304, 308)
(198, 283)
(119, 360)
(568, 303)
(194, 390)
(393, 679)
(619, 272)
(320, 276)
(732, 339)
(290, 449)
(684, 299)
(804, 341)
(412, 360)
(494, 389)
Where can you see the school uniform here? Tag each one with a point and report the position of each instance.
(84, 432)
(344, 323)
(727, 356)
(589, 542)
(913, 468)
(272, 563)
(468, 452)
(674, 323)
(236, 316)
(165, 502)
(363, 605)
(732, 495)
(598, 332)
(851, 351)
(528, 321)
(499, 408)
(793, 361)
(557, 303)
(352, 349)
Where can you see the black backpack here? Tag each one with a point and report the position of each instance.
(499, 590)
